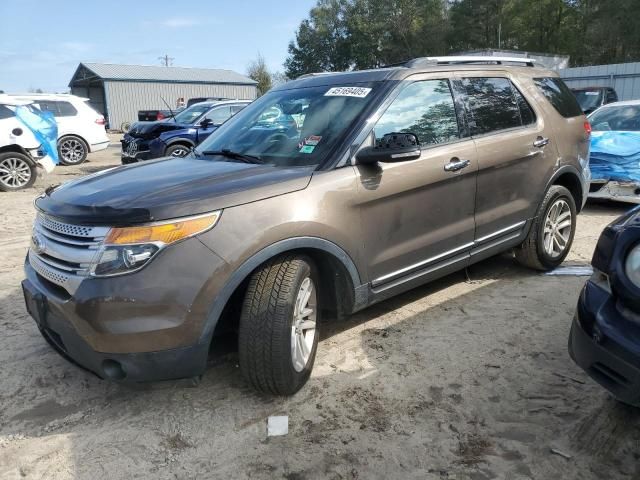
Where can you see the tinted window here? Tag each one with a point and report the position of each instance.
(526, 112)
(236, 108)
(622, 118)
(612, 96)
(65, 109)
(559, 96)
(47, 106)
(492, 105)
(5, 112)
(424, 108)
(219, 115)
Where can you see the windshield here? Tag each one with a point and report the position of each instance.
(588, 99)
(622, 118)
(298, 127)
(191, 114)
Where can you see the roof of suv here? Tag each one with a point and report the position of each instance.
(49, 96)
(427, 64)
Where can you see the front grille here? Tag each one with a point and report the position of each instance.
(63, 253)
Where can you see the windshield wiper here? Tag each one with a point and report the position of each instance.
(225, 152)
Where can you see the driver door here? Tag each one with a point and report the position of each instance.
(418, 216)
(216, 117)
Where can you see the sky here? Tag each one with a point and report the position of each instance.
(43, 41)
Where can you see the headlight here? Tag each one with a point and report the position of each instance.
(130, 248)
(632, 265)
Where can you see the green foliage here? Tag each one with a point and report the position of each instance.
(357, 34)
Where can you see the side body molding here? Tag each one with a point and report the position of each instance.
(240, 274)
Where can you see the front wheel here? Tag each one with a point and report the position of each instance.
(177, 151)
(551, 234)
(278, 335)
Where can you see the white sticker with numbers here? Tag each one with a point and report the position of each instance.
(359, 92)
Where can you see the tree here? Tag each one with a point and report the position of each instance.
(258, 71)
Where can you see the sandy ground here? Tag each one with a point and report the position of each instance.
(466, 378)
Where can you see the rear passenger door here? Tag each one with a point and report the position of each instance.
(516, 155)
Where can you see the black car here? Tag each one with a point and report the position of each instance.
(592, 98)
(605, 335)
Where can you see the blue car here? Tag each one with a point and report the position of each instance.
(615, 152)
(605, 335)
(177, 135)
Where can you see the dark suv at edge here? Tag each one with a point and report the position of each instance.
(389, 179)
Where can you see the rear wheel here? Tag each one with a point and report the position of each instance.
(16, 172)
(278, 335)
(551, 234)
(72, 150)
(177, 151)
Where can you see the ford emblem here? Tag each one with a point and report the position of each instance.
(38, 243)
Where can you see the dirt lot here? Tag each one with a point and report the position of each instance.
(468, 377)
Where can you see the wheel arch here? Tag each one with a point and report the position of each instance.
(180, 141)
(14, 148)
(335, 266)
(569, 177)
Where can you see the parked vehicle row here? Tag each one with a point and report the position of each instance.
(326, 195)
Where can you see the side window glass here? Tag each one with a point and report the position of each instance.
(526, 112)
(611, 97)
(47, 106)
(492, 105)
(236, 108)
(219, 115)
(65, 109)
(424, 108)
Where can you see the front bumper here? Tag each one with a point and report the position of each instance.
(134, 150)
(606, 344)
(135, 327)
(614, 190)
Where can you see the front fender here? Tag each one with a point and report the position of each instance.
(271, 251)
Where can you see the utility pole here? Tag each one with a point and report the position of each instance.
(166, 60)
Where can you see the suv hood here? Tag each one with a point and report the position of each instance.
(167, 188)
(152, 129)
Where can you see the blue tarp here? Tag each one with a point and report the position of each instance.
(43, 126)
(615, 156)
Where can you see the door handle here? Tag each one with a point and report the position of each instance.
(540, 142)
(456, 164)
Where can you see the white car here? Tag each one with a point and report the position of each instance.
(81, 130)
(20, 152)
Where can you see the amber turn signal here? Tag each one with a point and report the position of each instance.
(164, 232)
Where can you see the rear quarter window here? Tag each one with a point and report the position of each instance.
(65, 109)
(559, 95)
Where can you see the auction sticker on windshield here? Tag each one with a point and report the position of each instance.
(359, 92)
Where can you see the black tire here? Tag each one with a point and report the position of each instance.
(72, 150)
(178, 150)
(13, 164)
(532, 253)
(267, 323)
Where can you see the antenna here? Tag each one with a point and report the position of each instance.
(170, 111)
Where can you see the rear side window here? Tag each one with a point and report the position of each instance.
(492, 104)
(424, 108)
(612, 96)
(526, 112)
(65, 109)
(559, 96)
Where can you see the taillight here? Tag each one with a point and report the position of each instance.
(587, 128)
(160, 116)
(100, 120)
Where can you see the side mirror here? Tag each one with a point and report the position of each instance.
(206, 123)
(394, 147)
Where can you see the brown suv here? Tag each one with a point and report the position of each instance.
(326, 195)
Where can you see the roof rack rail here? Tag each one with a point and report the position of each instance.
(467, 60)
(315, 74)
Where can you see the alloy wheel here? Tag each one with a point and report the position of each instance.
(303, 330)
(72, 150)
(180, 152)
(14, 172)
(557, 228)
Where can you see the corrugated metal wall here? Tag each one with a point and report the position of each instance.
(124, 99)
(95, 96)
(624, 77)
